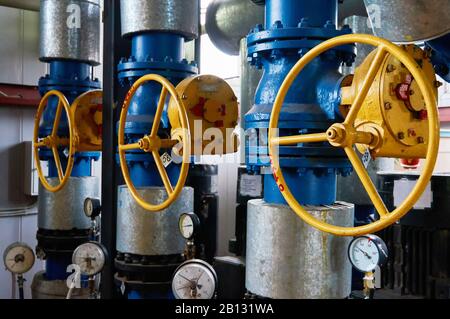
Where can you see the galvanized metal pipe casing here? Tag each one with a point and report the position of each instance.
(64, 210)
(177, 16)
(228, 21)
(406, 21)
(42, 288)
(70, 30)
(147, 233)
(288, 259)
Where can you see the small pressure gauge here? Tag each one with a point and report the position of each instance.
(194, 279)
(367, 252)
(189, 224)
(92, 207)
(90, 257)
(18, 258)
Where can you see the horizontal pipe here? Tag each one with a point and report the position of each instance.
(228, 21)
(32, 5)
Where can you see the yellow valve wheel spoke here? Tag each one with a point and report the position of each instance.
(58, 163)
(57, 119)
(367, 182)
(345, 135)
(162, 172)
(297, 139)
(159, 112)
(130, 147)
(53, 141)
(361, 96)
(152, 143)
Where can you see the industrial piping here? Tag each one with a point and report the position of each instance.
(71, 54)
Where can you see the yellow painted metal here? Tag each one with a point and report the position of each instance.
(152, 143)
(402, 123)
(87, 113)
(53, 141)
(346, 134)
(213, 113)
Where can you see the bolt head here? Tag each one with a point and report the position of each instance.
(391, 68)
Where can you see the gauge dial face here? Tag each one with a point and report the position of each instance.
(90, 257)
(91, 207)
(188, 225)
(18, 258)
(367, 252)
(195, 279)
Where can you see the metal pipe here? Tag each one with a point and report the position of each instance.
(32, 5)
(228, 21)
(406, 21)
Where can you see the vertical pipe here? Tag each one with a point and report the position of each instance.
(290, 12)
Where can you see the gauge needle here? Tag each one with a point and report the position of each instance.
(187, 225)
(200, 276)
(184, 287)
(365, 254)
(191, 281)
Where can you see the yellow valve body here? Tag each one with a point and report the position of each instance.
(88, 109)
(210, 103)
(394, 105)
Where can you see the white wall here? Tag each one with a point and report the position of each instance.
(19, 54)
(227, 67)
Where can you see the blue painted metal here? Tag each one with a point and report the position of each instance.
(152, 53)
(56, 266)
(159, 53)
(440, 55)
(146, 294)
(291, 29)
(72, 78)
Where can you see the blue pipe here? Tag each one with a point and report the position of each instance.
(292, 28)
(157, 46)
(56, 266)
(441, 55)
(72, 78)
(158, 53)
(290, 12)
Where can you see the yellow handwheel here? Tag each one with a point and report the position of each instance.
(152, 143)
(345, 135)
(53, 141)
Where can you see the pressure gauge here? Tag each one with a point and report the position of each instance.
(18, 258)
(90, 257)
(194, 279)
(367, 252)
(92, 207)
(189, 224)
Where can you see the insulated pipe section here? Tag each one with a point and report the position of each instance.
(176, 16)
(406, 21)
(70, 30)
(228, 21)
